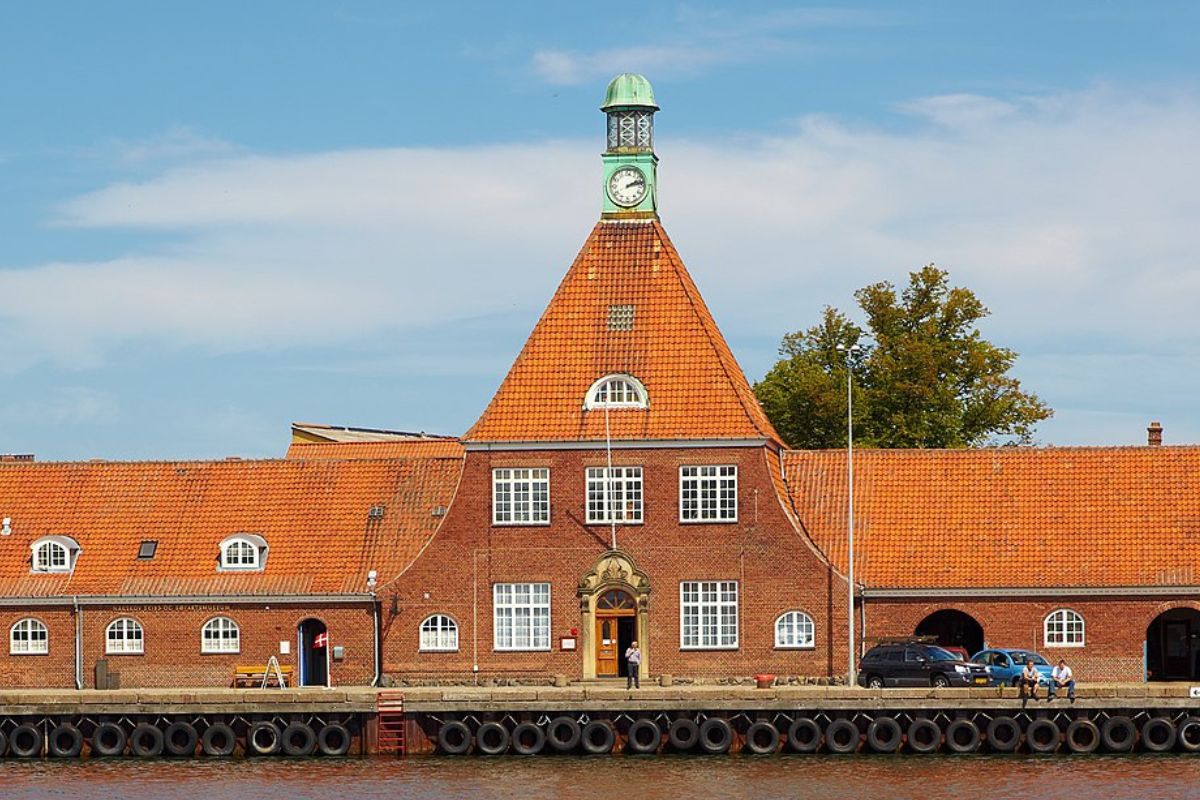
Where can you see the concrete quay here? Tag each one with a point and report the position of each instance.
(197, 700)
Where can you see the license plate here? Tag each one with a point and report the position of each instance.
(981, 681)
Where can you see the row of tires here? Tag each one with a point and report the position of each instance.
(883, 734)
(179, 738)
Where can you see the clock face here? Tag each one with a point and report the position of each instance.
(627, 186)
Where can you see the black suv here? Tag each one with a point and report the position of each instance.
(917, 665)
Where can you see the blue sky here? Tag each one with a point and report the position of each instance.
(219, 218)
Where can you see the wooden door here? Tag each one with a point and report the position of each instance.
(607, 647)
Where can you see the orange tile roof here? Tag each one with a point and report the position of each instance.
(312, 513)
(1124, 516)
(696, 388)
(399, 448)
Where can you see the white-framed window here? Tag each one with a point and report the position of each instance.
(708, 615)
(1064, 628)
(614, 495)
(54, 554)
(220, 635)
(439, 632)
(794, 629)
(616, 391)
(522, 616)
(243, 551)
(28, 637)
(124, 635)
(521, 496)
(708, 494)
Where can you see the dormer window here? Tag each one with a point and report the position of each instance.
(616, 391)
(245, 551)
(54, 554)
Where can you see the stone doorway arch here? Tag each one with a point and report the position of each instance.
(614, 570)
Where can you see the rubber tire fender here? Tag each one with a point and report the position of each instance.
(254, 743)
(1122, 743)
(68, 749)
(598, 746)
(954, 744)
(341, 745)
(492, 739)
(716, 735)
(1148, 735)
(643, 737)
(1090, 732)
(180, 739)
(833, 741)
(915, 743)
(560, 742)
(218, 739)
(1049, 746)
(999, 742)
(1187, 735)
(32, 745)
(528, 739)
(146, 740)
(454, 737)
(3, 744)
(756, 730)
(804, 735)
(291, 747)
(884, 735)
(117, 743)
(683, 734)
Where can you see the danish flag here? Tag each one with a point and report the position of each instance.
(321, 640)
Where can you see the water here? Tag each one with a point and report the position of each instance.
(619, 778)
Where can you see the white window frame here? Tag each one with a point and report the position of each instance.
(511, 614)
(65, 545)
(1059, 629)
(632, 393)
(710, 494)
(613, 496)
(790, 628)
(718, 614)
(439, 634)
(124, 636)
(526, 496)
(220, 642)
(250, 543)
(34, 638)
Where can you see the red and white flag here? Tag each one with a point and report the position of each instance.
(321, 640)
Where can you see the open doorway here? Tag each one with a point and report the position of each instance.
(1173, 646)
(313, 639)
(953, 628)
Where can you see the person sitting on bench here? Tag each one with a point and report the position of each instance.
(1061, 676)
(1029, 680)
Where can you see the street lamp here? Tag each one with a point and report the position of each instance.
(850, 353)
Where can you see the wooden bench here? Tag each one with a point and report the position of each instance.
(252, 675)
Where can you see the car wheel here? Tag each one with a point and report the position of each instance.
(874, 682)
(941, 681)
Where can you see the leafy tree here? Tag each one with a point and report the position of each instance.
(923, 376)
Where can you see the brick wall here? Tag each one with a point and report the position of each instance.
(776, 569)
(56, 668)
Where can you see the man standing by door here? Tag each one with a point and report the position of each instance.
(633, 659)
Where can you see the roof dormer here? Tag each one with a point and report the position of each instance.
(54, 554)
(243, 552)
(616, 391)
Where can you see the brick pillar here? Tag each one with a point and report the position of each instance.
(1154, 434)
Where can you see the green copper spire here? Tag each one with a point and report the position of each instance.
(630, 165)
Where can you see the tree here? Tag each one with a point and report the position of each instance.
(924, 377)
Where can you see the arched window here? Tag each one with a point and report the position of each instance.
(1064, 628)
(439, 632)
(794, 629)
(220, 635)
(28, 637)
(616, 391)
(124, 635)
(54, 554)
(245, 551)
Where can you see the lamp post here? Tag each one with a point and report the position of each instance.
(850, 353)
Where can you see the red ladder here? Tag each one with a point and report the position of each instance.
(389, 706)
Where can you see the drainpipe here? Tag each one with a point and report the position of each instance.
(378, 654)
(78, 643)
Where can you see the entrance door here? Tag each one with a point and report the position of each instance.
(313, 638)
(1173, 646)
(616, 629)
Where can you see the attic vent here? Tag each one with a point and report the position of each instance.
(376, 512)
(620, 318)
(147, 549)
(439, 511)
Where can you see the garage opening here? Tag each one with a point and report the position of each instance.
(1173, 646)
(952, 628)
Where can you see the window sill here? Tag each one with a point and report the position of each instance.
(220, 652)
(714, 648)
(20, 654)
(438, 650)
(595, 524)
(543, 524)
(683, 521)
(1064, 646)
(795, 647)
(521, 649)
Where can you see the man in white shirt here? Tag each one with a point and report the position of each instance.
(1029, 680)
(1061, 676)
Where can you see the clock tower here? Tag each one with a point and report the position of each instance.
(630, 166)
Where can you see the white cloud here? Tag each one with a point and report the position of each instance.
(564, 67)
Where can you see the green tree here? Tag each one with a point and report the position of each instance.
(923, 376)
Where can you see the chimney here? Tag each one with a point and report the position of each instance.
(1154, 434)
(15, 457)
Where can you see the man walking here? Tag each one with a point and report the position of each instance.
(1061, 676)
(633, 660)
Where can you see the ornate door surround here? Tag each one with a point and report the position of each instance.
(613, 570)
